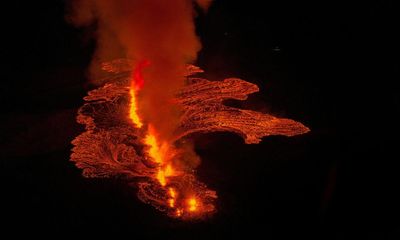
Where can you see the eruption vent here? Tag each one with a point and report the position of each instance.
(114, 145)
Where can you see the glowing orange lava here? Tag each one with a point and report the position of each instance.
(160, 153)
(192, 204)
(133, 109)
(137, 84)
(172, 195)
(179, 212)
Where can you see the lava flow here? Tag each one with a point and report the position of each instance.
(139, 121)
(114, 145)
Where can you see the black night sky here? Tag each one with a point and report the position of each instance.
(332, 66)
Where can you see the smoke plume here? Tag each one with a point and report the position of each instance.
(159, 31)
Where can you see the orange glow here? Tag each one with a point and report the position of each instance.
(179, 212)
(171, 202)
(172, 194)
(138, 73)
(161, 178)
(158, 152)
(192, 204)
(154, 151)
(163, 173)
(168, 171)
(133, 109)
(136, 85)
(161, 154)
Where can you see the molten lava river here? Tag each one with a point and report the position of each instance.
(117, 143)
